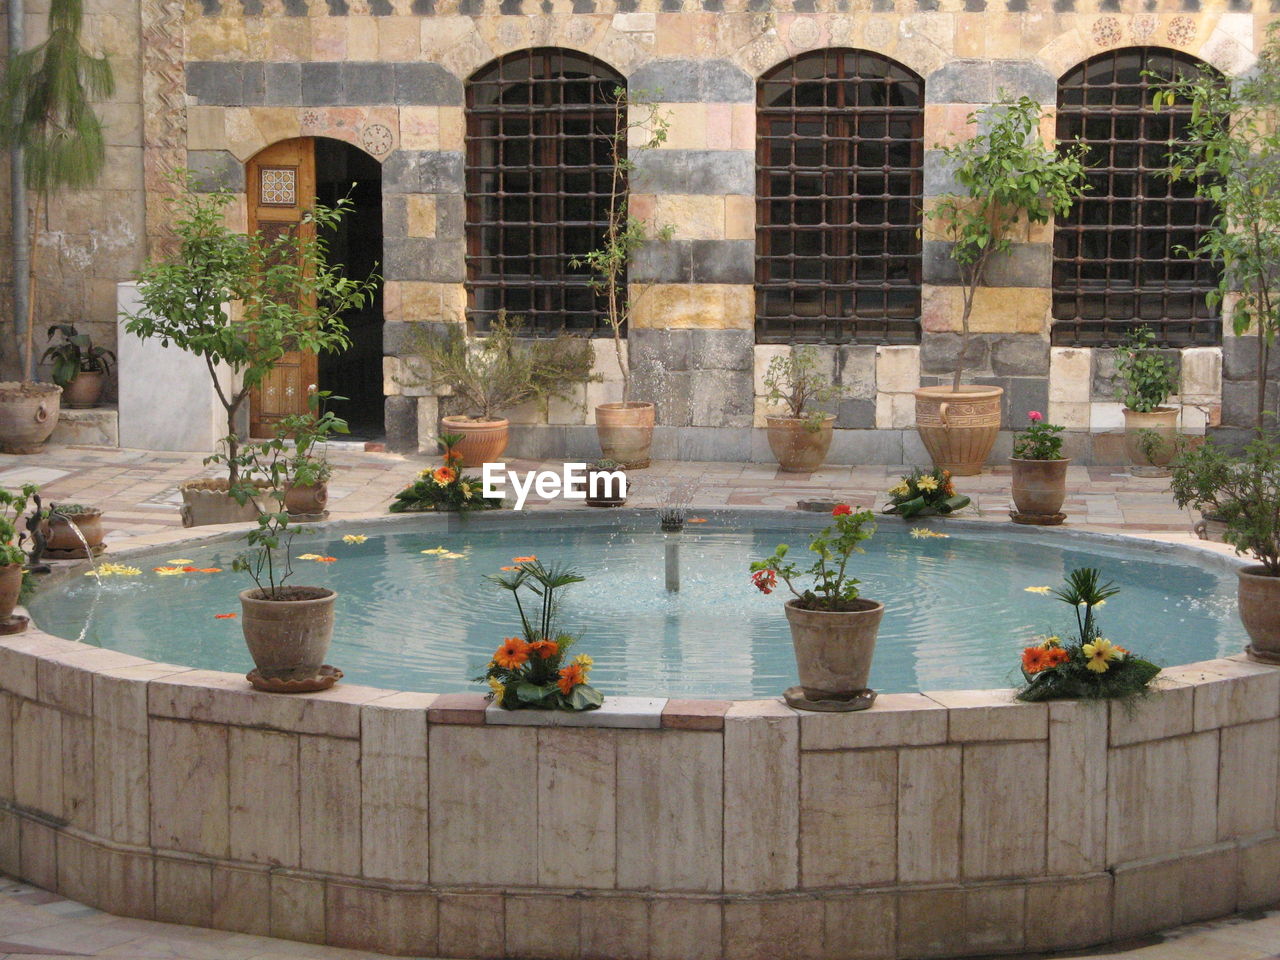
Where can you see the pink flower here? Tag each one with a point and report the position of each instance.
(1035, 416)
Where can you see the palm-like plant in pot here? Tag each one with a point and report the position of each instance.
(833, 628)
(801, 437)
(1146, 381)
(1039, 472)
(1006, 178)
(1244, 494)
(488, 375)
(80, 367)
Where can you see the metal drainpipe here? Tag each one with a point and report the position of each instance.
(18, 208)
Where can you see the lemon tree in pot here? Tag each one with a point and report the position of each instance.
(833, 628)
(1244, 493)
(1039, 472)
(289, 297)
(1006, 177)
(800, 437)
(1146, 381)
(79, 367)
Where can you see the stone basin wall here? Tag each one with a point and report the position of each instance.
(933, 825)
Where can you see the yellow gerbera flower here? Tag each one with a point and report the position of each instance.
(900, 489)
(114, 570)
(168, 571)
(585, 662)
(436, 551)
(1099, 654)
(1037, 589)
(1050, 642)
(354, 538)
(309, 556)
(927, 483)
(180, 562)
(498, 690)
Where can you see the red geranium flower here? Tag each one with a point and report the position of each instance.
(765, 580)
(1035, 416)
(842, 510)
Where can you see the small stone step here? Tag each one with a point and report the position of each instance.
(95, 427)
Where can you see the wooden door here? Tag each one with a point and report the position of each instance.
(281, 187)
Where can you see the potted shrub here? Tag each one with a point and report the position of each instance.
(79, 367)
(1006, 176)
(1039, 472)
(801, 437)
(287, 628)
(1146, 381)
(625, 427)
(1244, 493)
(306, 474)
(833, 629)
(606, 483)
(12, 559)
(487, 375)
(290, 298)
(60, 526)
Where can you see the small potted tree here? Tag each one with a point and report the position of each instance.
(832, 627)
(800, 437)
(1039, 473)
(307, 471)
(1146, 381)
(12, 559)
(491, 374)
(625, 428)
(79, 367)
(1006, 177)
(290, 298)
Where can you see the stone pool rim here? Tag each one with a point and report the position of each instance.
(739, 829)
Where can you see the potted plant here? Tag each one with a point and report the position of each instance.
(306, 474)
(1199, 474)
(290, 297)
(79, 367)
(1006, 176)
(1146, 381)
(1039, 472)
(287, 628)
(625, 427)
(606, 483)
(833, 629)
(490, 374)
(1244, 493)
(801, 437)
(72, 531)
(46, 98)
(529, 671)
(445, 488)
(925, 493)
(12, 559)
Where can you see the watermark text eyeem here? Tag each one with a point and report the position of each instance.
(572, 482)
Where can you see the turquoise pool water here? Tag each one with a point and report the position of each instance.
(957, 609)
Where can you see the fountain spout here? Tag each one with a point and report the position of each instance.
(671, 548)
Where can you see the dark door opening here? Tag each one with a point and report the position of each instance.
(356, 373)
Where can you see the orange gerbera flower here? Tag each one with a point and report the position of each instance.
(545, 649)
(512, 653)
(326, 559)
(452, 456)
(189, 569)
(209, 570)
(570, 677)
(224, 616)
(444, 475)
(508, 569)
(1034, 659)
(529, 559)
(1055, 656)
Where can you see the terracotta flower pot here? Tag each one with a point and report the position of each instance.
(834, 650)
(306, 501)
(483, 441)
(959, 429)
(1039, 486)
(85, 390)
(28, 414)
(206, 502)
(799, 446)
(10, 587)
(625, 431)
(1259, 602)
(1164, 421)
(288, 639)
(59, 531)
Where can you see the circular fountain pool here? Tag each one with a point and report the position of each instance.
(958, 608)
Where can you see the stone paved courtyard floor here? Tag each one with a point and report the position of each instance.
(137, 491)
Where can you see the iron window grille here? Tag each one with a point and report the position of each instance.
(1116, 259)
(540, 125)
(839, 151)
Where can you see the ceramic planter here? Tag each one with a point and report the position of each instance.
(799, 446)
(834, 650)
(10, 587)
(1039, 486)
(1164, 421)
(85, 390)
(483, 441)
(959, 428)
(28, 414)
(608, 494)
(1259, 600)
(206, 502)
(61, 542)
(625, 431)
(306, 501)
(288, 639)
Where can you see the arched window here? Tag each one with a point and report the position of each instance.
(539, 127)
(839, 147)
(1116, 256)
